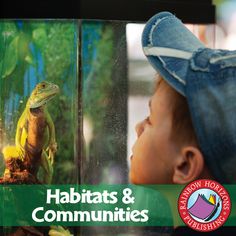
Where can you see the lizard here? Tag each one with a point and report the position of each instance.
(35, 133)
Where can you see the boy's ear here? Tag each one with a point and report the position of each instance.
(188, 165)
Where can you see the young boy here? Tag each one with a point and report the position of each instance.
(166, 150)
(191, 130)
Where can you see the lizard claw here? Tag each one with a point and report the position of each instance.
(51, 156)
(51, 149)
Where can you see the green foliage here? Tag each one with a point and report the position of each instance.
(56, 44)
(99, 80)
(8, 65)
(218, 2)
(40, 37)
(31, 51)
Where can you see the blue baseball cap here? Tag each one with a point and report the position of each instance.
(207, 78)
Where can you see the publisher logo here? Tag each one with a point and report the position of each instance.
(204, 205)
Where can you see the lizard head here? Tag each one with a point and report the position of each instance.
(42, 93)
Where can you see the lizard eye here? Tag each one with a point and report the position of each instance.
(43, 85)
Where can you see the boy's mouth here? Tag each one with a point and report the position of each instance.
(131, 157)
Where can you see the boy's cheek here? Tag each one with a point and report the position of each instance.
(141, 144)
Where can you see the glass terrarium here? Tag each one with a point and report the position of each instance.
(38, 103)
(31, 52)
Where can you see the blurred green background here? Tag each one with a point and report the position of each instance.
(104, 75)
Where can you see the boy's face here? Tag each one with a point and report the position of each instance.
(154, 151)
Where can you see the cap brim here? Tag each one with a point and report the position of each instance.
(169, 45)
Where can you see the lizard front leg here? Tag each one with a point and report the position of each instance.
(21, 135)
(52, 146)
(47, 168)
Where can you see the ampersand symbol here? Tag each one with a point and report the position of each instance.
(127, 199)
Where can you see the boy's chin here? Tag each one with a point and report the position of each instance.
(131, 178)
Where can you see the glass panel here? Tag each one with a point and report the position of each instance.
(141, 82)
(105, 90)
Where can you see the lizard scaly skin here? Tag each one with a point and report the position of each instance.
(35, 133)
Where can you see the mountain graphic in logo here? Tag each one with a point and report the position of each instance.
(204, 208)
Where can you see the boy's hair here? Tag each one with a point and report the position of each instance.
(182, 127)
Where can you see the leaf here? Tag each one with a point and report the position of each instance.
(40, 37)
(59, 231)
(10, 59)
(23, 46)
(29, 58)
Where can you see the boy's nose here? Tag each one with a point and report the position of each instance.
(139, 128)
